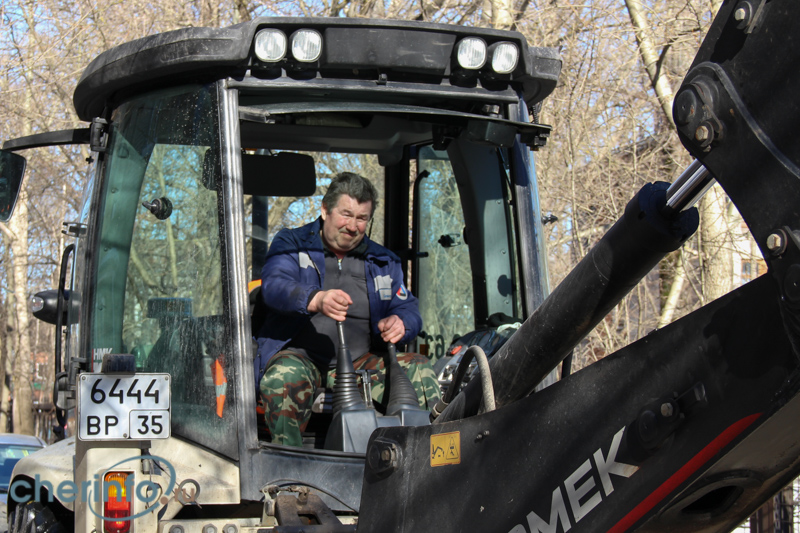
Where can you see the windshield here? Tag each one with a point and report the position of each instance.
(159, 283)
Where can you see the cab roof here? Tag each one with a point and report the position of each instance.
(393, 55)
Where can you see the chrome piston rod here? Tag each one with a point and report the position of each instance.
(687, 190)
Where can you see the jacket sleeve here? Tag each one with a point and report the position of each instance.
(405, 305)
(281, 285)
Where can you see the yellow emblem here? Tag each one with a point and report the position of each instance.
(446, 449)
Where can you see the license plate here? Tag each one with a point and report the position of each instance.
(124, 407)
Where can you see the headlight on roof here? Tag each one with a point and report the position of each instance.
(306, 45)
(504, 57)
(270, 45)
(471, 53)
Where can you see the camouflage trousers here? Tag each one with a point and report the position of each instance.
(291, 379)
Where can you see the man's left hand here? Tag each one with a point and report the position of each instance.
(392, 328)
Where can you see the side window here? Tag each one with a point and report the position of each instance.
(444, 275)
(175, 266)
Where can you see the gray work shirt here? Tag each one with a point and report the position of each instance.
(319, 338)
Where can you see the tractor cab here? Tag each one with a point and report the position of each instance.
(207, 143)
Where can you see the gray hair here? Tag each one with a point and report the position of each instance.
(352, 185)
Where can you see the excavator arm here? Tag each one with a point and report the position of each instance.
(690, 428)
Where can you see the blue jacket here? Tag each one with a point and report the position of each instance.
(295, 267)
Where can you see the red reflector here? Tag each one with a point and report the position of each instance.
(116, 503)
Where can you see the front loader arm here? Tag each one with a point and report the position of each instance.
(692, 427)
(688, 429)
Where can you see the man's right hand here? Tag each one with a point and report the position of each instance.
(333, 303)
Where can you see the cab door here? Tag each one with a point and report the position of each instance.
(442, 276)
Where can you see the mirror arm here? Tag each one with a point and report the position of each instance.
(50, 138)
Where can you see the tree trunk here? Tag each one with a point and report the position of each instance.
(5, 349)
(502, 19)
(716, 254)
(717, 247)
(241, 13)
(23, 368)
(5, 404)
(675, 290)
(650, 58)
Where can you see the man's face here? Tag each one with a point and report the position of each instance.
(345, 224)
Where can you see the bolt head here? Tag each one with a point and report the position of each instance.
(667, 409)
(702, 133)
(743, 15)
(775, 243)
(386, 455)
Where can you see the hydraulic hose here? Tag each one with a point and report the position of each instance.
(475, 352)
(486, 378)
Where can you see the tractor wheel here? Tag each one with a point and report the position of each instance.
(33, 517)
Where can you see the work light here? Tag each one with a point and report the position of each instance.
(270, 45)
(306, 45)
(471, 53)
(504, 57)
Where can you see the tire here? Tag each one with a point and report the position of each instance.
(33, 517)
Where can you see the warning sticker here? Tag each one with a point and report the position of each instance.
(446, 449)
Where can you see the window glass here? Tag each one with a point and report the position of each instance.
(159, 278)
(10, 456)
(445, 274)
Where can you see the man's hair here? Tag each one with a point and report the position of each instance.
(354, 186)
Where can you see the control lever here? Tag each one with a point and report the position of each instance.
(352, 422)
(401, 391)
(346, 396)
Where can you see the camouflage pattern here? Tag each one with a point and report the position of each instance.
(287, 389)
(288, 386)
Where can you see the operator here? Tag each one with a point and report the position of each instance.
(320, 274)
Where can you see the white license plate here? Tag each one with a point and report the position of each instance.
(124, 407)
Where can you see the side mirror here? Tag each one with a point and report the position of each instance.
(12, 168)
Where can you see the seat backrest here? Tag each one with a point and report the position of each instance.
(258, 308)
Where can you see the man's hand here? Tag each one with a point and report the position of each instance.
(392, 328)
(333, 303)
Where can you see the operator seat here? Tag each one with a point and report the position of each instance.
(317, 429)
